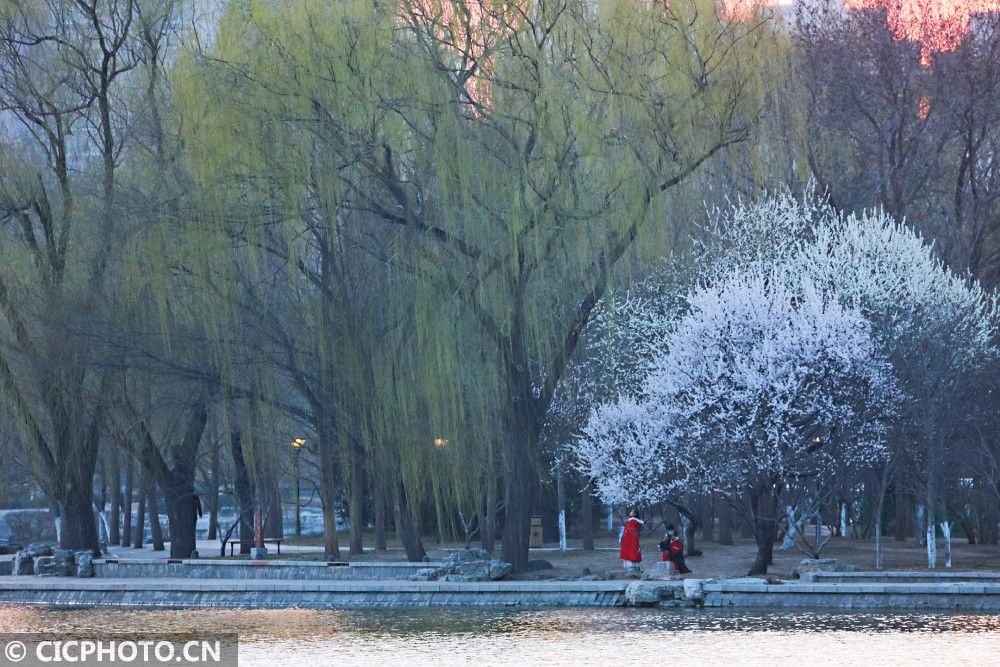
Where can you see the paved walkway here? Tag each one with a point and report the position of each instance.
(206, 549)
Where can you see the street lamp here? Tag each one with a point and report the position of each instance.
(297, 445)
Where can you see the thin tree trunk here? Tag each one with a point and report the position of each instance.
(708, 518)
(725, 513)
(271, 505)
(356, 496)
(879, 508)
(561, 503)
(587, 517)
(328, 482)
(153, 506)
(930, 521)
(902, 516)
(489, 526)
(244, 491)
(213, 495)
(126, 533)
(380, 520)
(116, 500)
(140, 518)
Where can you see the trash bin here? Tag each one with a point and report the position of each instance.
(536, 532)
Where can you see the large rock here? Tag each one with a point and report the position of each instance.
(659, 571)
(481, 570)
(810, 566)
(466, 565)
(37, 549)
(8, 548)
(24, 560)
(24, 564)
(694, 591)
(466, 556)
(83, 564)
(59, 564)
(649, 593)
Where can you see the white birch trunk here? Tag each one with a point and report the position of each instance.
(946, 531)
(562, 530)
(793, 529)
(843, 519)
(931, 545)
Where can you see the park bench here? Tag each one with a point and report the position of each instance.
(267, 540)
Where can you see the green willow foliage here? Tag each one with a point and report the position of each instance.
(382, 224)
(434, 194)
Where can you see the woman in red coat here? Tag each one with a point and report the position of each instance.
(629, 550)
(673, 550)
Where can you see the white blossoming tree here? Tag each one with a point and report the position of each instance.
(936, 328)
(764, 388)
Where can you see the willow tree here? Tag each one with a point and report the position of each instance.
(582, 116)
(63, 68)
(505, 173)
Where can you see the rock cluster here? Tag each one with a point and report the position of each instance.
(466, 565)
(659, 571)
(652, 593)
(45, 560)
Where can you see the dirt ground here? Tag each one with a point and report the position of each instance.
(722, 561)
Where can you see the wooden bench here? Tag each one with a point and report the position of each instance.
(269, 540)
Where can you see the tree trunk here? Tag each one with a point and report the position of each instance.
(930, 522)
(126, 534)
(140, 518)
(271, 505)
(520, 486)
(153, 506)
(408, 533)
(707, 518)
(946, 532)
(763, 508)
(182, 508)
(244, 491)
(488, 530)
(561, 506)
(76, 501)
(879, 508)
(587, 517)
(327, 454)
(78, 525)
(380, 520)
(725, 513)
(690, 526)
(746, 514)
(116, 500)
(356, 496)
(213, 495)
(902, 522)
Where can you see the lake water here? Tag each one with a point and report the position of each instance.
(576, 637)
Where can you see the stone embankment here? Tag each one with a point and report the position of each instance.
(469, 579)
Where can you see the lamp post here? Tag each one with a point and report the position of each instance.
(297, 445)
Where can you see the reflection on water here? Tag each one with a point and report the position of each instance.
(553, 637)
